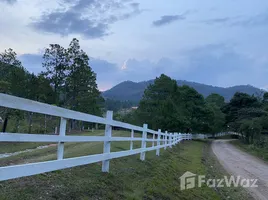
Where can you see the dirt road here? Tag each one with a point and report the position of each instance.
(239, 163)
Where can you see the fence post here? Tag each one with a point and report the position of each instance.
(166, 134)
(60, 152)
(153, 140)
(176, 138)
(132, 136)
(143, 144)
(107, 144)
(158, 142)
(163, 139)
(170, 140)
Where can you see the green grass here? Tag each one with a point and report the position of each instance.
(261, 153)
(129, 178)
(10, 147)
(70, 149)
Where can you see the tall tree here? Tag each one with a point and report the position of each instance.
(56, 62)
(83, 94)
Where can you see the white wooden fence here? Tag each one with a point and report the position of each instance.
(163, 140)
(224, 134)
(206, 136)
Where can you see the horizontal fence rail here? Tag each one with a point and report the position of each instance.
(206, 136)
(162, 140)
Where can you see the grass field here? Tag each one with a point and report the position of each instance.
(129, 178)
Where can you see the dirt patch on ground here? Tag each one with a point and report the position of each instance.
(216, 171)
(239, 163)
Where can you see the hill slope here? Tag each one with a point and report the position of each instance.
(133, 91)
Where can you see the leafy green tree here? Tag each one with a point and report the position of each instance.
(250, 130)
(194, 109)
(217, 99)
(17, 81)
(265, 97)
(4, 86)
(56, 62)
(170, 107)
(13, 79)
(217, 120)
(38, 88)
(238, 107)
(116, 105)
(157, 108)
(10, 57)
(82, 90)
(12, 72)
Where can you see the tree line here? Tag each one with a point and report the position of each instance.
(176, 108)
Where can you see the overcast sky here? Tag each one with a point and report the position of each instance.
(216, 42)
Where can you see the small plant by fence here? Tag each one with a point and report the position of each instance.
(162, 140)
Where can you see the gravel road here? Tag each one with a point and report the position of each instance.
(239, 163)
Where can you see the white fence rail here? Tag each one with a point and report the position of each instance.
(163, 140)
(206, 136)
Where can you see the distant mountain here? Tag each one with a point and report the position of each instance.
(132, 91)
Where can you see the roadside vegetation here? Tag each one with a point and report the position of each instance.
(255, 150)
(248, 115)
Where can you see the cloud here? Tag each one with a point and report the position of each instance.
(9, 1)
(65, 23)
(108, 73)
(217, 21)
(220, 64)
(124, 66)
(257, 20)
(167, 19)
(90, 18)
(214, 64)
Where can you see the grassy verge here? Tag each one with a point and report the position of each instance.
(129, 178)
(261, 153)
(8, 147)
